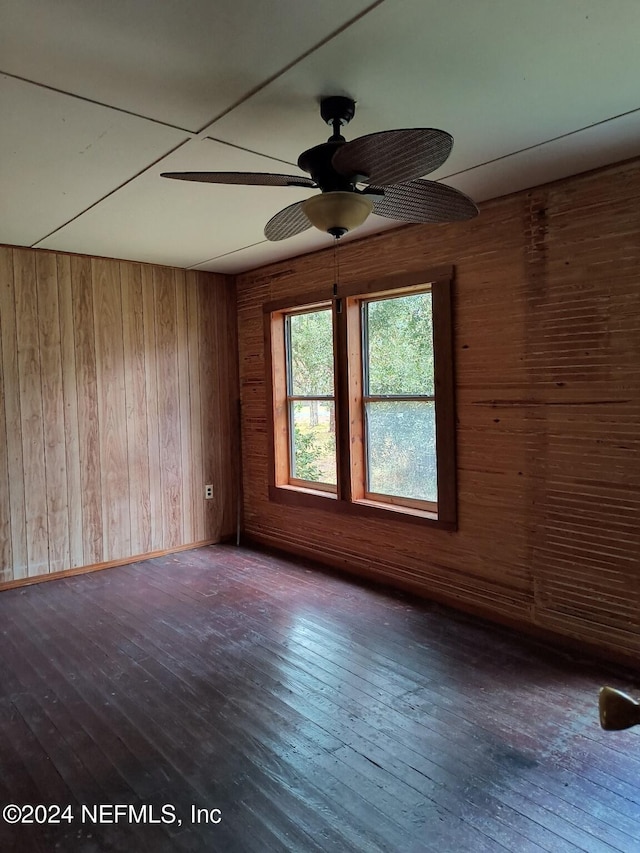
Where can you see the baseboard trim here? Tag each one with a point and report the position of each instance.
(109, 564)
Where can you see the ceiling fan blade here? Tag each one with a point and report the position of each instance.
(394, 156)
(288, 222)
(254, 179)
(423, 201)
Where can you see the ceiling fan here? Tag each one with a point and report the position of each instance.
(389, 164)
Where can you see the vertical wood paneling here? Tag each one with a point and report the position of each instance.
(168, 406)
(218, 355)
(112, 413)
(195, 405)
(102, 410)
(88, 425)
(70, 396)
(229, 449)
(31, 411)
(53, 412)
(136, 402)
(184, 403)
(15, 549)
(153, 424)
(208, 348)
(547, 366)
(5, 503)
(5, 499)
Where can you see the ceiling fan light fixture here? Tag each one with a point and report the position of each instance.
(337, 212)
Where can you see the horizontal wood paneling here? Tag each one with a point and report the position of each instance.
(547, 365)
(118, 403)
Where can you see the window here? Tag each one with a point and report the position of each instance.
(399, 398)
(361, 400)
(311, 398)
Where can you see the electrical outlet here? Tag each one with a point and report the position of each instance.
(208, 492)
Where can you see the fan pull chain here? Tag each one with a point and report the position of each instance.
(336, 272)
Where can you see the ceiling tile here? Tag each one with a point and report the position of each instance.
(499, 76)
(177, 222)
(182, 63)
(609, 142)
(58, 155)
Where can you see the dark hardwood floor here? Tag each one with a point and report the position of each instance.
(313, 712)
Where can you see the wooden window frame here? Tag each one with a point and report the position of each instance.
(359, 348)
(290, 398)
(350, 497)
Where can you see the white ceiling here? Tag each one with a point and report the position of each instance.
(97, 98)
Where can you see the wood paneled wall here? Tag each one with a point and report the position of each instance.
(547, 357)
(118, 403)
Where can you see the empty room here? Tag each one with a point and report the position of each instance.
(320, 426)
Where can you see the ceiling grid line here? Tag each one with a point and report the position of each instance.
(540, 144)
(203, 132)
(107, 195)
(97, 102)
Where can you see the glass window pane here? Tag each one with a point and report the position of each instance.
(401, 449)
(311, 354)
(400, 345)
(313, 438)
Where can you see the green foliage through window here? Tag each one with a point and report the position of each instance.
(310, 376)
(398, 363)
(401, 449)
(400, 345)
(398, 396)
(311, 354)
(314, 442)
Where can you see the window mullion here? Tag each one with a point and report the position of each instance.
(445, 408)
(356, 407)
(341, 368)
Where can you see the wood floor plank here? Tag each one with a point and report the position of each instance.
(271, 744)
(186, 721)
(488, 763)
(317, 714)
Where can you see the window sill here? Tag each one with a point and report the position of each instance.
(316, 499)
(307, 490)
(398, 508)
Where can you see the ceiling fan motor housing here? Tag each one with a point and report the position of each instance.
(337, 110)
(317, 162)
